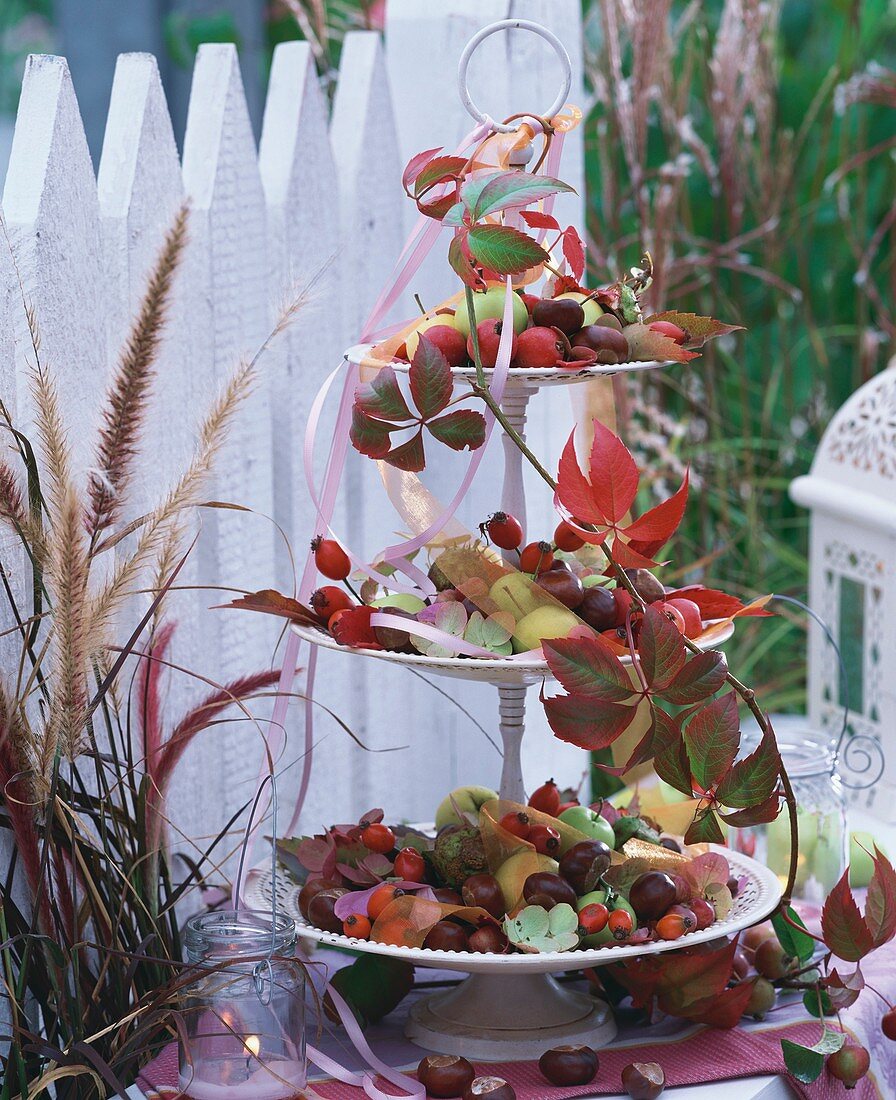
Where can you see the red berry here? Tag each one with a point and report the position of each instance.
(517, 823)
(328, 600)
(378, 838)
(888, 1024)
(410, 865)
(593, 918)
(620, 924)
(537, 557)
(690, 612)
(380, 898)
(565, 538)
(671, 926)
(331, 559)
(545, 839)
(489, 333)
(357, 925)
(666, 328)
(504, 530)
(546, 799)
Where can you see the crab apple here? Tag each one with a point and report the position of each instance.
(590, 308)
(504, 530)
(489, 333)
(329, 599)
(703, 911)
(770, 959)
(537, 557)
(565, 314)
(849, 1064)
(331, 559)
(608, 345)
(756, 935)
(442, 333)
(531, 301)
(762, 999)
(540, 347)
(546, 798)
(410, 865)
(489, 305)
(888, 1024)
(565, 538)
(666, 328)
(690, 612)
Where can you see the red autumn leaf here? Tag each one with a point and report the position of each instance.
(880, 903)
(679, 980)
(587, 667)
(670, 758)
(699, 679)
(724, 1009)
(430, 379)
(714, 604)
(270, 602)
(660, 648)
(704, 829)
(537, 219)
(574, 489)
(712, 738)
(645, 345)
(459, 429)
(438, 170)
(437, 208)
(760, 814)
(628, 557)
(752, 780)
(574, 251)
(845, 931)
(587, 722)
(659, 524)
(381, 397)
(612, 473)
(564, 283)
(698, 329)
(408, 456)
(370, 437)
(416, 164)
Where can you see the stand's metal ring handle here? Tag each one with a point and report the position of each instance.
(493, 28)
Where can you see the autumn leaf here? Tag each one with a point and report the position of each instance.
(670, 760)
(504, 250)
(880, 902)
(512, 189)
(646, 345)
(704, 829)
(844, 930)
(698, 329)
(462, 428)
(752, 781)
(587, 667)
(270, 602)
(700, 678)
(714, 604)
(537, 219)
(660, 648)
(593, 726)
(574, 251)
(760, 814)
(661, 522)
(712, 738)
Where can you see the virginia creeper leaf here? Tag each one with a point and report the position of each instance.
(514, 189)
(574, 251)
(631, 558)
(698, 329)
(752, 780)
(712, 738)
(796, 944)
(460, 262)
(430, 379)
(644, 344)
(382, 398)
(589, 723)
(880, 903)
(670, 758)
(713, 604)
(704, 829)
(586, 667)
(845, 931)
(416, 164)
(759, 814)
(659, 524)
(270, 602)
(408, 456)
(574, 489)
(612, 473)
(537, 219)
(438, 170)
(505, 250)
(661, 648)
(700, 678)
(459, 429)
(370, 437)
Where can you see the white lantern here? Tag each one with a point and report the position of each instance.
(851, 494)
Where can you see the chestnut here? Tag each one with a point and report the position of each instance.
(447, 896)
(546, 886)
(643, 1080)
(584, 863)
(446, 936)
(484, 890)
(489, 939)
(569, 1065)
(314, 886)
(651, 894)
(444, 1075)
(492, 1088)
(321, 909)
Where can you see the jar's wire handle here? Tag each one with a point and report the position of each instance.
(857, 751)
(263, 974)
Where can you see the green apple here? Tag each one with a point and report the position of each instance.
(488, 304)
(462, 800)
(516, 869)
(591, 309)
(593, 580)
(590, 823)
(404, 601)
(413, 338)
(518, 594)
(604, 936)
(861, 866)
(543, 622)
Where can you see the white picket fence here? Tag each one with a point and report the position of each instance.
(318, 191)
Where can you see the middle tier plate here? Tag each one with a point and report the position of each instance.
(490, 670)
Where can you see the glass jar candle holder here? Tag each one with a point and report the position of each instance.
(821, 819)
(243, 1009)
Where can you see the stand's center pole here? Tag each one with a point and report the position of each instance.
(512, 710)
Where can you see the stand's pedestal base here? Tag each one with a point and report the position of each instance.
(507, 1019)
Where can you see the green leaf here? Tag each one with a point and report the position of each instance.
(811, 1000)
(586, 666)
(712, 738)
(660, 647)
(753, 780)
(505, 250)
(513, 189)
(459, 429)
(628, 827)
(494, 633)
(699, 679)
(803, 1063)
(474, 187)
(455, 215)
(670, 758)
(704, 829)
(430, 377)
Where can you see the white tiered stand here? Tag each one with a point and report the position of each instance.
(510, 1007)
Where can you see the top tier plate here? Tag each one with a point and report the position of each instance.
(521, 377)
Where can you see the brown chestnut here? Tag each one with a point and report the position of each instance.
(446, 936)
(314, 886)
(584, 863)
(488, 940)
(447, 896)
(569, 1065)
(492, 1088)
(321, 909)
(444, 1075)
(484, 890)
(546, 885)
(651, 894)
(643, 1080)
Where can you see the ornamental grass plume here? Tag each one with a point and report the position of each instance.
(89, 930)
